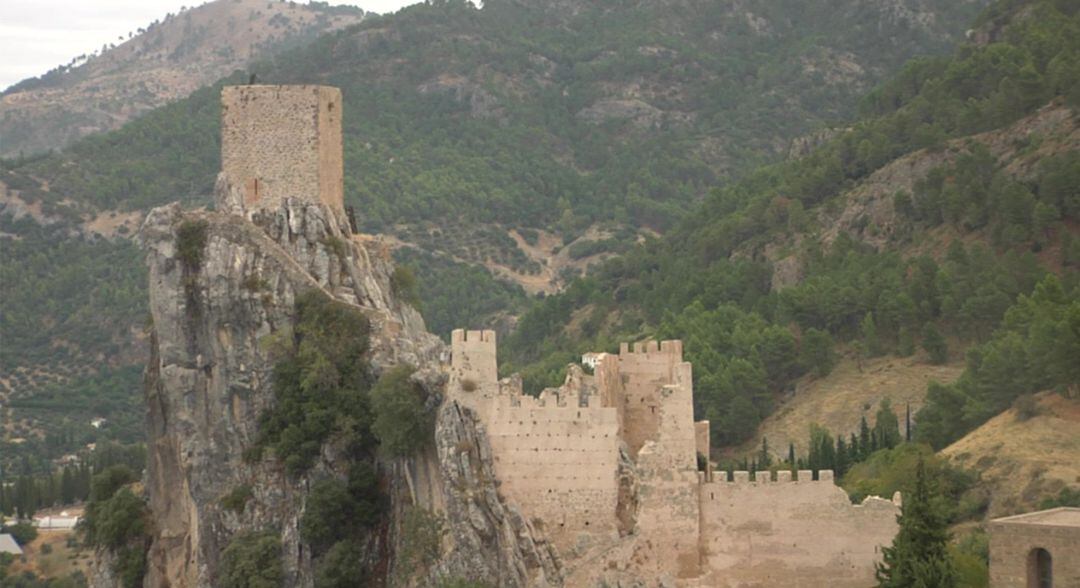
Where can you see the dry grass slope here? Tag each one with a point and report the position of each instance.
(839, 400)
(1024, 461)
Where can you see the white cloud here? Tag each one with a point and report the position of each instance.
(38, 35)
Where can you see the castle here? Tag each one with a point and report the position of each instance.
(607, 467)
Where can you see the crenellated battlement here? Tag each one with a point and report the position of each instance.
(561, 456)
(742, 477)
(668, 350)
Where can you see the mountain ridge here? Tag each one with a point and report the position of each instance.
(164, 62)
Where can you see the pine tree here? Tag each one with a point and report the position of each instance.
(935, 345)
(919, 554)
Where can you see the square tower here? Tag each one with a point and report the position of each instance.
(282, 141)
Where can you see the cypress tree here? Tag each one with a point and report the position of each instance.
(764, 459)
(864, 440)
(919, 553)
(791, 457)
(907, 424)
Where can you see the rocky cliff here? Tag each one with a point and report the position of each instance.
(216, 299)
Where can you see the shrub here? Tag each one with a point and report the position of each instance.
(403, 284)
(328, 504)
(117, 521)
(340, 567)
(402, 423)
(190, 242)
(252, 560)
(422, 533)
(320, 382)
(237, 498)
(1026, 407)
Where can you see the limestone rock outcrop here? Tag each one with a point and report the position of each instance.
(208, 382)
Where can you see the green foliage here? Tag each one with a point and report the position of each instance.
(693, 278)
(341, 567)
(54, 287)
(1067, 497)
(252, 560)
(971, 557)
(403, 284)
(817, 351)
(331, 501)
(403, 423)
(889, 470)
(190, 243)
(422, 533)
(1034, 349)
(457, 295)
(886, 426)
(116, 519)
(919, 553)
(22, 533)
(237, 498)
(320, 383)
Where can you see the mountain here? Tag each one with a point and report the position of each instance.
(166, 61)
(521, 140)
(944, 218)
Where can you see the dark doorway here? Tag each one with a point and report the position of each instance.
(1040, 569)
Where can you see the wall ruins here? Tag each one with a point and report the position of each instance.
(607, 466)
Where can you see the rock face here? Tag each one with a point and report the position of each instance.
(207, 384)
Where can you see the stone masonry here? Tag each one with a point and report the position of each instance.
(606, 465)
(1036, 549)
(282, 142)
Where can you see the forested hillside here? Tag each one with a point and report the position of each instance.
(583, 124)
(945, 219)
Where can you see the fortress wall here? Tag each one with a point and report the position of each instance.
(645, 369)
(282, 141)
(669, 520)
(558, 463)
(474, 373)
(331, 147)
(786, 533)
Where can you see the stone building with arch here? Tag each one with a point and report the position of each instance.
(1036, 550)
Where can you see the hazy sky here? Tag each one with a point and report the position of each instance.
(38, 35)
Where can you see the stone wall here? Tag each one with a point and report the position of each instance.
(558, 459)
(791, 533)
(1013, 540)
(606, 467)
(474, 373)
(668, 516)
(282, 142)
(645, 369)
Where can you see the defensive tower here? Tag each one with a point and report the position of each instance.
(282, 142)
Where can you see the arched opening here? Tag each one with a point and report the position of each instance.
(1040, 571)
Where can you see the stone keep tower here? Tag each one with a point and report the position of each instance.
(282, 142)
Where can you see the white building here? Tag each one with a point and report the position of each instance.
(8, 545)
